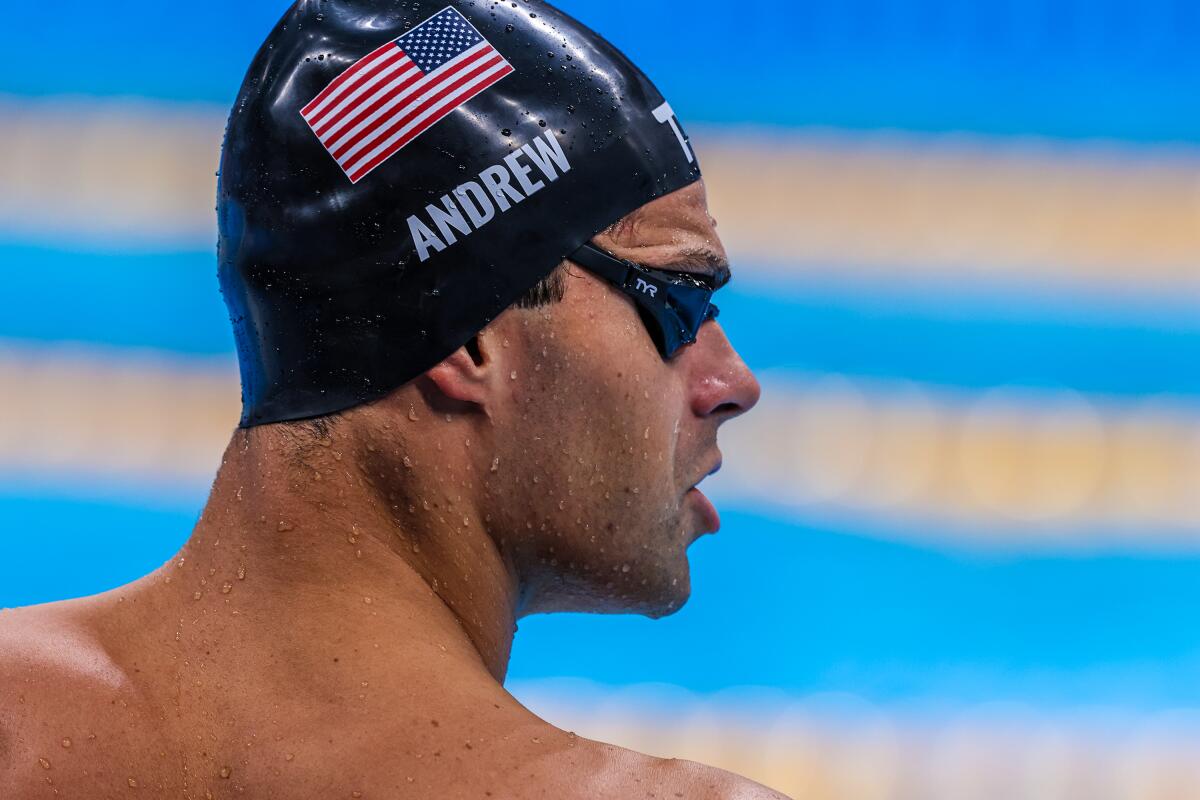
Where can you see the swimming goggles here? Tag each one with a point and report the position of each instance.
(673, 305)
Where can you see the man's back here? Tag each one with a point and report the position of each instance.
(80, 718)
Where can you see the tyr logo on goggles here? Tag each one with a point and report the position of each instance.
(673, 305)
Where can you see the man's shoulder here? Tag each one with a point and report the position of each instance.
(53, 672)
(43, 645)
(50, 665)
(710, 783)
(596, 769)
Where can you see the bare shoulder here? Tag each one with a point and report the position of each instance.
(599, 770)
(44, 647)
(710, 783)
(51, 670)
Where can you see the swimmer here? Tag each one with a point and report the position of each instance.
(471, 271)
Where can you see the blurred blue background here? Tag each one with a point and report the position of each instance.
(968, 275)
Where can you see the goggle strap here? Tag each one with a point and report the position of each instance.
(603, 264)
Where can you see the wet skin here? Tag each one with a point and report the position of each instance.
(341, 619)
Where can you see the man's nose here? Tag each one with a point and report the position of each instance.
(721, 382)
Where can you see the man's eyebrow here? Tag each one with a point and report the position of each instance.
(705, 262)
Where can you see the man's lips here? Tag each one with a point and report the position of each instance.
(708, 512)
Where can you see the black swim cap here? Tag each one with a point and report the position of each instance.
(396, 173)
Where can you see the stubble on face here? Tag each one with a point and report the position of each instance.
(601, 436)
(591, 494)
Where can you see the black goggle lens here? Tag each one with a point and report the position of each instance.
(673, 305)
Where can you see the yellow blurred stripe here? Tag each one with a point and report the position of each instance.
(119, 171)
(1019, 462)
(956, 206)
(1011, 463)
(834, 203)
(74, 411)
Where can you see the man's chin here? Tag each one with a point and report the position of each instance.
(672, 595)
(672, 607)
(661, 596)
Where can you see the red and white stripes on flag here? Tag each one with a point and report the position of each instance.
(386, 100)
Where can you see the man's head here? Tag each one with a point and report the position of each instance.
(395, 175)
(602, 438)
(564, 432)
(422, 303)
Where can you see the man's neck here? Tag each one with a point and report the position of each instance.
(314, 541)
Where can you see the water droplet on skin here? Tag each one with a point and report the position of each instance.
(227, 588)
(45, 764)
(133, 784)
(412, 413)
(513, 375)
(66, 743)
(226, 772)
(290, 757)
(197, 595)
(624, 568)
(416, 548)
(241, 573)
(284, 527)
(496, 464)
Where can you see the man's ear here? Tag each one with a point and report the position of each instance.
(467, 376)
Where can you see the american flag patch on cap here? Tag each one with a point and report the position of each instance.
(400, 90)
